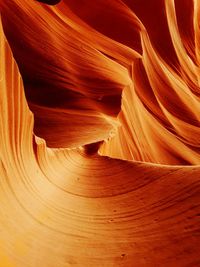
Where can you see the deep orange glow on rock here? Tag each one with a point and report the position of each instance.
(99, 133)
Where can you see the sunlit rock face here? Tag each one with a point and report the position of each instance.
(99, 133)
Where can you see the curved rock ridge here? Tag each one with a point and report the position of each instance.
(84, 64)
(99, 133)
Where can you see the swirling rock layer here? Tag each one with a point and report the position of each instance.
(99, 133)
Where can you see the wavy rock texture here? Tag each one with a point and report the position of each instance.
(99, 133)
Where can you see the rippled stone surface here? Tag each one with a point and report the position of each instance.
(99, 133)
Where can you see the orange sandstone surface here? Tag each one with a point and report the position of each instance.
(100, 133)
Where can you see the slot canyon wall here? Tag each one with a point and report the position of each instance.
(99, 133)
